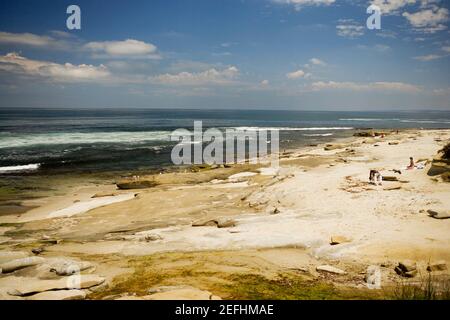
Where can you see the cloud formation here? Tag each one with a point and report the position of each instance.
(298, 4)
(208, 77)
(428, 20)
(129, 48)
(16, 64)
(32, 40)
(373, 86)
(429, 57)
(317, 62)
(392, 6)
(349, 29)
(297, 75)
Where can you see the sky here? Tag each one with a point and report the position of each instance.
(226, 54)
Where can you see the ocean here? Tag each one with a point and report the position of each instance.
(42, 142)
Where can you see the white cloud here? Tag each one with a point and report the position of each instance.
(14, 63)
(373, 86)
(349, 29)
(32, 40)
(442, 92)
(446, 49)
(298, 4)
(386, 34)
(429, 57)
(208, 77)
(392, 6)
(428, 20)
(378, 47)
(190, 66)
(297, 75)
(317, 62)
(227, 44)
(129, 48)
(265, 82)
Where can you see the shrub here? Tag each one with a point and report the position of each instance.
(446, 151)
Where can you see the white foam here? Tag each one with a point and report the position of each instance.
(367, 119)
(28, 167)
(26, 140)
(425, 121)
(444, 121)
(318, 135)
(292, 128)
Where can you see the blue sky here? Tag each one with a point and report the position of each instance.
(245, 54)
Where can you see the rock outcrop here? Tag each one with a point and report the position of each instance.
(13, 265)
(136, 184)
(330, 269)
(439, 214)
(219, 222)
(407, 269)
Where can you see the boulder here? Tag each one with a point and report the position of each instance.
(205, 223)
(390, 178)
(437, 266)
(136, 184)
(17, 264)
(59, 295)
(104, 194)
(270, 171)
(67, 267)
(363, 134)
(152, 237)
(338, 240)
(330, 269)
(373, 276)
(330, 147)
(220, 223)
(446, 176)
(225, 223)
(407, 265)
(6, 256)
(37, 251)
(408, 274)
(439, 166)
(438, 214)
(27, 286)
(407, 269)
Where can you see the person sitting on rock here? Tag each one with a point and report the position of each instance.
(375, 176)
(411, 164)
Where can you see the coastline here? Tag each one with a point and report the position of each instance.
(283, 220)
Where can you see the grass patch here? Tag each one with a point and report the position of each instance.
(426, 288)
(195, 269)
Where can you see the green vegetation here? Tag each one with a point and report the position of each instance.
(427, 288)
(198, 270)
(446, 151)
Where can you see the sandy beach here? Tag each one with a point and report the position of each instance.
(314, 228)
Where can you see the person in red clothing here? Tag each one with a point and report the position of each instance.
(411, 164)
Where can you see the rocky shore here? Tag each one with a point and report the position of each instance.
(246, 231)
